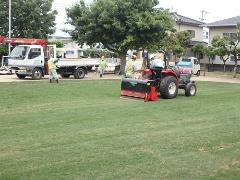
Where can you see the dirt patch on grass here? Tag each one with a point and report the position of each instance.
(95, 76)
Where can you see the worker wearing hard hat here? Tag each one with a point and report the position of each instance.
(102, 66)
(130, 67)
(52, 70)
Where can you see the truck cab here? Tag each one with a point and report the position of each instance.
(190, 62)
(27, 60)
(30, 60)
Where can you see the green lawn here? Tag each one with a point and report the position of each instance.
(83, 130)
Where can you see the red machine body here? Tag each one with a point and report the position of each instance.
(165, 82)
(30, 41)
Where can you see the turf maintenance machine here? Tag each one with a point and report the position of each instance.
(163, 82)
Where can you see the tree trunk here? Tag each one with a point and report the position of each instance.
(235, 69)
(209, 60)
(123, 62)
(204, 73)
(212, 68)
(224, 66)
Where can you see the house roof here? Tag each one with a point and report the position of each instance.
(185, 20)
(226, 22)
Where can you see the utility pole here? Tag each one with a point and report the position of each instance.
(203, 12)
(9, 24)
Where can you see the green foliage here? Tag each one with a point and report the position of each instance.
(218, 41)
(119, 25)
(221, 51)
(210, 52)
(221, 45)
(176, 42)
(59, 43)
(3, 50)
(30, 18)
(83, 130)
(227, 46)
(199, 50)
(184, 38)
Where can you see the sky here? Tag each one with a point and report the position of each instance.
(214, 10)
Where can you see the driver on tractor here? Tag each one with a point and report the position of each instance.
(131, 68)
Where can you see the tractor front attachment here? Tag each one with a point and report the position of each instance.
(144, 89)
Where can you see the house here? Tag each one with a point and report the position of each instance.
(195, 27)
(223, 28)
(183, 23)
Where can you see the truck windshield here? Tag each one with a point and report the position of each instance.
(186, 60)
(19, 52)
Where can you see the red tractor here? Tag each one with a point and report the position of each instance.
(159, 81)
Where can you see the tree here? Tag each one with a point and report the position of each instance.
(179, 42)
(58, 43)
(30, 18)
(199, 50)
(211, 53)
(119, 25)
(3, 50)
(233, 43)
(220, 45)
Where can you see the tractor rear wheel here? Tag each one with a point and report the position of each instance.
(168, 87)
(190, 89)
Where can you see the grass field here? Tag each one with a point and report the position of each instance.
(83, 130)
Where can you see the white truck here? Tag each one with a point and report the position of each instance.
(76, 67)
(31, 58)
(190, 62)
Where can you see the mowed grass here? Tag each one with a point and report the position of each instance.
(83, 130)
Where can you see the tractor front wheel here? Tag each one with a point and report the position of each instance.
(169, 87)
(190, 89)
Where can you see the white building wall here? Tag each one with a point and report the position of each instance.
(198, 31)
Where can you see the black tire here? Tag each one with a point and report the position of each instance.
(198, 73)
(21, 76)
(65, 75)
(168, 87)
(190, 89)
(79, 73)
(89, 68)
(36, 74)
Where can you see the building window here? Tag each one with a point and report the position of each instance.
(230, 35)
(205, 35)
(192, 32)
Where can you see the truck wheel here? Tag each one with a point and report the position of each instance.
(198, 73)
(21, 76)
(168, 87)
(79, 73)
(36, 74)
(89, 68)
(65, 75)
(190, 89)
